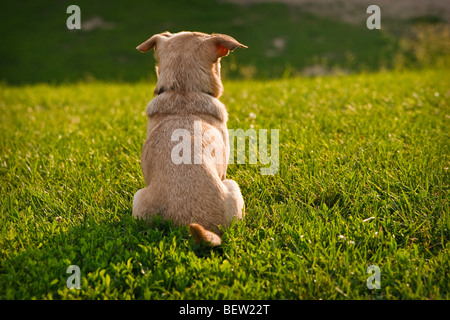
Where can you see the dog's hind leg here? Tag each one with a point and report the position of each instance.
(234, 209)
(141, 206)
(234, 202)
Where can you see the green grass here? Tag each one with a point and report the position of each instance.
(351, 148)
(364, 158)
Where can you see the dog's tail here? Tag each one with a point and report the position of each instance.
(201, 235)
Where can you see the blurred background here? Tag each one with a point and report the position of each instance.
(285, 37)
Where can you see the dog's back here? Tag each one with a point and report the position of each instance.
(189, 191)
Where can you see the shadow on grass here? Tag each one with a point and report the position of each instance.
(121, 248)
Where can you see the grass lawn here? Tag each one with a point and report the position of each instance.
(363, 180)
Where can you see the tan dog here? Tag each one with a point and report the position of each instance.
(189, 188)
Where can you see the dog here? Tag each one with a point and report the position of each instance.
(186, 102)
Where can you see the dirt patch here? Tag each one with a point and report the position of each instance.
(96, 22)
(354, 11)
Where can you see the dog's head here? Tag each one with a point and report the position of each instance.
(189, 61)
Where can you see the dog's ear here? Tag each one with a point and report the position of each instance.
(152, 42)
(222, 44)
